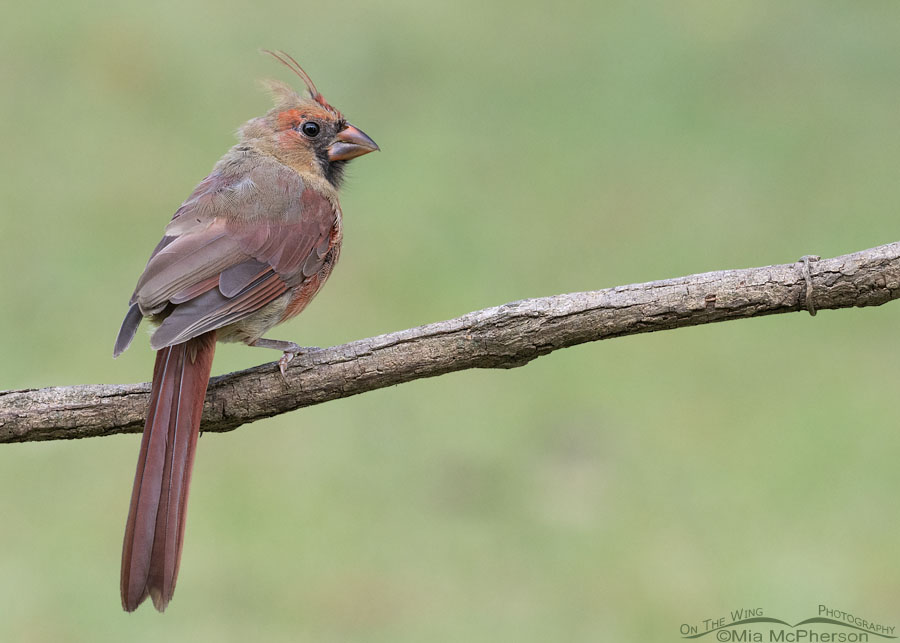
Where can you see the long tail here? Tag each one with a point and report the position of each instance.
(155, 528)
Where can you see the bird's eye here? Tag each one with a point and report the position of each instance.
(310, 128)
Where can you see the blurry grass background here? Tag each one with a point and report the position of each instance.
(607, 492)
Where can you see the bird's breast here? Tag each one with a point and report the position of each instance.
(304, 292)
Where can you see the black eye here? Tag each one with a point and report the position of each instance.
(310, 128)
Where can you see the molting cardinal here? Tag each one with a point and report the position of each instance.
(249, 249)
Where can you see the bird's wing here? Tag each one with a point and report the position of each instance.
(240, 241)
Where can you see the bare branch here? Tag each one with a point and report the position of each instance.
(502, 337)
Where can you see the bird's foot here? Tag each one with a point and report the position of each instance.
(289, 351)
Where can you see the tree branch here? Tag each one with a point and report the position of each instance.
(502, 337)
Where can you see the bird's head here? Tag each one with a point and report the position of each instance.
(305, 132)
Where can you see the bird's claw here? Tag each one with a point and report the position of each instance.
(290, 353)
(286, 358)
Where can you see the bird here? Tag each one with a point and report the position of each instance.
(249, 248)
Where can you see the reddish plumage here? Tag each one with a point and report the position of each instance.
(155, 528)
(248, 249)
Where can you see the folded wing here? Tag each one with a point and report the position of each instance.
(239, 242)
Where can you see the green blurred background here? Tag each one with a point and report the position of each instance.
(607, 492)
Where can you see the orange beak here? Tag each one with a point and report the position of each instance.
(349, 143)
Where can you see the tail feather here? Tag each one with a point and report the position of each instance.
(154, 532)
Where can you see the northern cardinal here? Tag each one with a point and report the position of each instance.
(249, 249)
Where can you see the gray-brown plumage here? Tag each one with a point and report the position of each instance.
(249, 248)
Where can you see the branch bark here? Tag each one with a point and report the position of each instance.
(505, 336)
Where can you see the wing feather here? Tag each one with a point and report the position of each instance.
(242, 240)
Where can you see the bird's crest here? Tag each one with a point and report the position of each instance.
(284, 94)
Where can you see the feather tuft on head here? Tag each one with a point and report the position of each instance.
(282, 92)
(283, 95)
